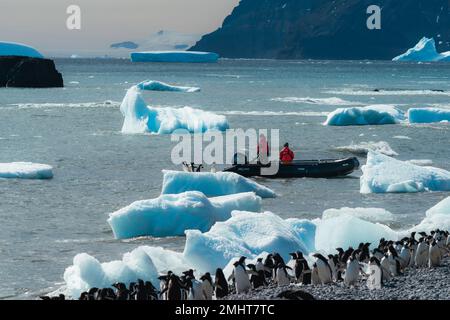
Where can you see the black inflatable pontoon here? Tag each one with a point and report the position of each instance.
(301, 169)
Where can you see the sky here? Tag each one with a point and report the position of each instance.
(42, 23)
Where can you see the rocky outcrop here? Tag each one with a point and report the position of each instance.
(26, 72)
(327, 29)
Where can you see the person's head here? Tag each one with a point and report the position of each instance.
(286, 145)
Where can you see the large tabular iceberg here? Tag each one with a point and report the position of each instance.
(424, 50)
(211, 184)
(25, 170)
(18, 49)
(173, 214)
(175, 56)
(383, 174)
(370, 115)
(428, 115)
(141, 118)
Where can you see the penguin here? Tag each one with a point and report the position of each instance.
(323, 268)
(163, 285)
(375, 279)
(441, 243)
(385, 267)
(207, 286)
(151, 291)
(405, 256)
(259, 265)
(174, 288)
(340, 253)
(377, 253)
(394, 261)
(194, 286)
(268, 266)
(302, 270)
(434, 259)
(422, 253)
(122, 291)
(220, 284)
(257, 278)
(334, 265)
(364, 256)
(315, 280)
(277, 259)
(351, 275)
(282, 276)
(240, 276)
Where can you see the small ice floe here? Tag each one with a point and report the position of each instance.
(212, 184)
(383, 174)
(25, 170)
(370, 115)
(363, 148)
(428, 115)
(172, 214)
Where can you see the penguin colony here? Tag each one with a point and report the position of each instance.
(387, 260)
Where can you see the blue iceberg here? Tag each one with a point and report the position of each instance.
(360, 116)
(383, 174)
(18, 49)
(141, 118)
(424, 50)
(173, 214)
(151, 85)
(175, 56)
(212, 184)
(25, 170)
(428, 115)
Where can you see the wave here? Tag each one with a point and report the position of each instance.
(104, 104)
(275, 113)
(334, 101)
(389, 92)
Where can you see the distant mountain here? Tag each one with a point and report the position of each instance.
(327, 29)
(125, 45)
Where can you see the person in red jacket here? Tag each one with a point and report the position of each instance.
(286, 155)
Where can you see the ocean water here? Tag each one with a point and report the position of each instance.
(44, 224)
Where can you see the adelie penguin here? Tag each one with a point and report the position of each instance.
(240, 276)
(194, 286)
(434, 255)
(394, 262)
(207, 286)
(220, 284)
(257, 278)
(323, 269)
(282, 275)
(301, 269)
(351, 275)
(333, 262)
(386, 268)
(422, 253)
(375, 279)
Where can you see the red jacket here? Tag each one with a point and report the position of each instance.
(286, 155)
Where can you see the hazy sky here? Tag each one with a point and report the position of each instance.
(42, 23)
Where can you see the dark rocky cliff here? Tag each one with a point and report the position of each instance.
(327, 29)
(25, 72)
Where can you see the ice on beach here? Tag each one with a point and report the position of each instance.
(363, 148)
(383, 174)
(175, 56)
(368, 214)
(246, 234)
(25, 170)
(370, 115)
(151, 85)
(172, 214)
(211, 184)
(425, 51)
(18, 49)
(141, 118)
(428, 115)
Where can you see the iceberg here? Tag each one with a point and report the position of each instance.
(151, 85)
(174, 56)
(25, 170)
(360, 116)
(18, 49)
(367, 214)
(363, 148)
(141, 118)
(428, 115)
(383, 174)
(438, 217)
(424, 50)
(173, 214)
(211, 184)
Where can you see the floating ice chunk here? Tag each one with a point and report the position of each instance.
(246, 234)
(363, 148)
(173, 214)
(424, 50)
(428, 115)
(25, 170)
(438, 217)
(370, 115)
(174, 56)
(402, 137)
(211, 184)
(151, 85)
(384, 174)
(421, 162)
(368, 214)
(347, 230)
(334, 101)
(18, 49)
(140, 118)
